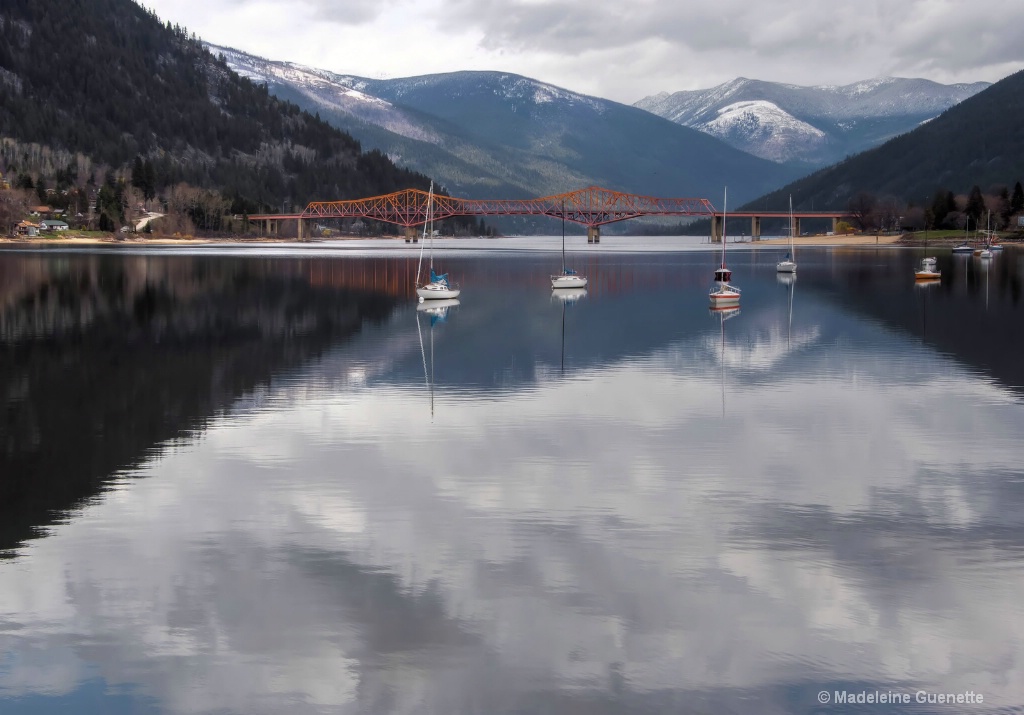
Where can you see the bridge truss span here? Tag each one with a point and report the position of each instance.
(592, 206)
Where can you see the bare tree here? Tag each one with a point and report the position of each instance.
(888, 213)
(862, 210)
(13, 207)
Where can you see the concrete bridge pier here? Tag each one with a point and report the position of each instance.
(411, 235)
(716, 229)
(796, 227)
(755, 228)
(593, 234)
(299, 222)
(835, 226)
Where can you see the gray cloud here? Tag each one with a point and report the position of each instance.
(624, 51)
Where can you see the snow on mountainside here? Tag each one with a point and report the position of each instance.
(325, 89)
(764, 129)
(851, 118)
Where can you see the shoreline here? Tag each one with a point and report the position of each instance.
(398, 241)
(609, 243)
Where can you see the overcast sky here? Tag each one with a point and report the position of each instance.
(624, 50)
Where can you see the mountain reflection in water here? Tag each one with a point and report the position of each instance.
(227, 489)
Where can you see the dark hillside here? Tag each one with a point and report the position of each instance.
(108, 80)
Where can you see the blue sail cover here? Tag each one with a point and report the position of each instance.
(787, 256)
(568, 271)
(434, 278)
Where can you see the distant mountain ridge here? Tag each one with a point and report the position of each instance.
(494, 134)
(979, 142)
(813, 125)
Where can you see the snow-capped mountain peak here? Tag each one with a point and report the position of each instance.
(845, 119)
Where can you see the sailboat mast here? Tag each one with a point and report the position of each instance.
(430, 221)
(419, 265)
(563, 235)
(725, 196)
(792, 230)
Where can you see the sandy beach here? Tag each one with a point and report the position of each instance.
(851, 240)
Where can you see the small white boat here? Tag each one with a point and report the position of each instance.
(722, 295)
(963, 248)
(984, 253)
(928, 271)
(788, 264)
(568, 279)
(438, 288)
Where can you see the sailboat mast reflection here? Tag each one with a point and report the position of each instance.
(723, 314)
(438, 311)
(788, 280)
(567, 296)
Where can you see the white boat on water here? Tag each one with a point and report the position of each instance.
(723, 295)
(438, 287)
(963, 248)
(568, 278)
(788, 264)
(928, 271)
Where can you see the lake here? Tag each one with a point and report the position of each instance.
(259, 479)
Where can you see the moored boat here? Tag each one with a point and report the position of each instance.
(723, 295)
(928, 271)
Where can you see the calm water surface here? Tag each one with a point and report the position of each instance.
(262, 481)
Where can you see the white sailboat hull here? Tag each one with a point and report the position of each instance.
(785, 267)
(437, 291)
(568, 281)
(724, 296)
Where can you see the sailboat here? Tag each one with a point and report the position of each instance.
(723, 295)
(965, 247)
(568, 278)
(927, 271)
(787, 264)
(986, 252)
(438, 288)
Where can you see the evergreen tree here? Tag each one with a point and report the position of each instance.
(975, 204)
(940, 207)
(1017, 200)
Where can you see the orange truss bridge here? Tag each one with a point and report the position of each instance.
(592, 207)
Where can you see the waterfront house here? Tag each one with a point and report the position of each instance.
(27, 228)
(54, 225)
